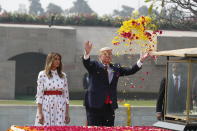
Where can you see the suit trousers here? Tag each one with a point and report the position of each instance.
(103, 116)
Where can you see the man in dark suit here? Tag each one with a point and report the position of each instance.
(85, 86)
(176, 95)
(101, 98)
(194, 90)
(160, 100)
(177, 90)
(85, 81)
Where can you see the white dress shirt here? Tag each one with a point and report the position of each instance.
(179, 80)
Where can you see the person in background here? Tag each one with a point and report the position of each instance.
(85, 81)
(194, 91)
(160, 100)
(85, 87)
(177, 87)
(52, 94)
(101, 96)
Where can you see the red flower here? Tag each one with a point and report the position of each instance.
(137, 37)
(116, 43)
(147, 34)
(146, 73)
(133, 22)
(142, 79)
(90, 128)
(132, 86)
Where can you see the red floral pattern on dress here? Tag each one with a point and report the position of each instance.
(52, 105)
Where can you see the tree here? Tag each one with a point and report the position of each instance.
(81, 7)
(35, 7)
(189, 6)
(143, 10)
(171, 16)
(174, 14)
(22, 9)
(0, 8)
(125, 12)
(54, 9)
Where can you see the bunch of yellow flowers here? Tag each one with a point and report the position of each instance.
(138, 30)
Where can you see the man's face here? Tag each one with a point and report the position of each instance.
(175, 69)
(106, 56)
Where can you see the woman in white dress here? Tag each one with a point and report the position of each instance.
(52, 94)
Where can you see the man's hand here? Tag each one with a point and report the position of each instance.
(144, 57)
(88, 47)
(159, 116)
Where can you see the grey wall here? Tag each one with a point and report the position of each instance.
(27, 46)
(146, 86)
(7, 79)
(25, 116)
(27, 67)
(18, 40)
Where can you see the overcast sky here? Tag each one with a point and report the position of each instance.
(99, 6)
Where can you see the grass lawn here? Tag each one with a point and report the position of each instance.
(31, 101)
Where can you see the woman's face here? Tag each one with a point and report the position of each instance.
(56, 62)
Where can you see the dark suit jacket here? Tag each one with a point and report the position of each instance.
(85, 86)
(194, 90)
(177, 101)
(99, 86)
(85, 81)
(161, 97)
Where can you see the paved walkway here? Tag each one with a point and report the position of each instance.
(24, 115)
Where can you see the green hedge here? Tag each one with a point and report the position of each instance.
(87, 20)
(91, 20)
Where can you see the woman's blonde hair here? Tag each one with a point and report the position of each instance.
(49, 61)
